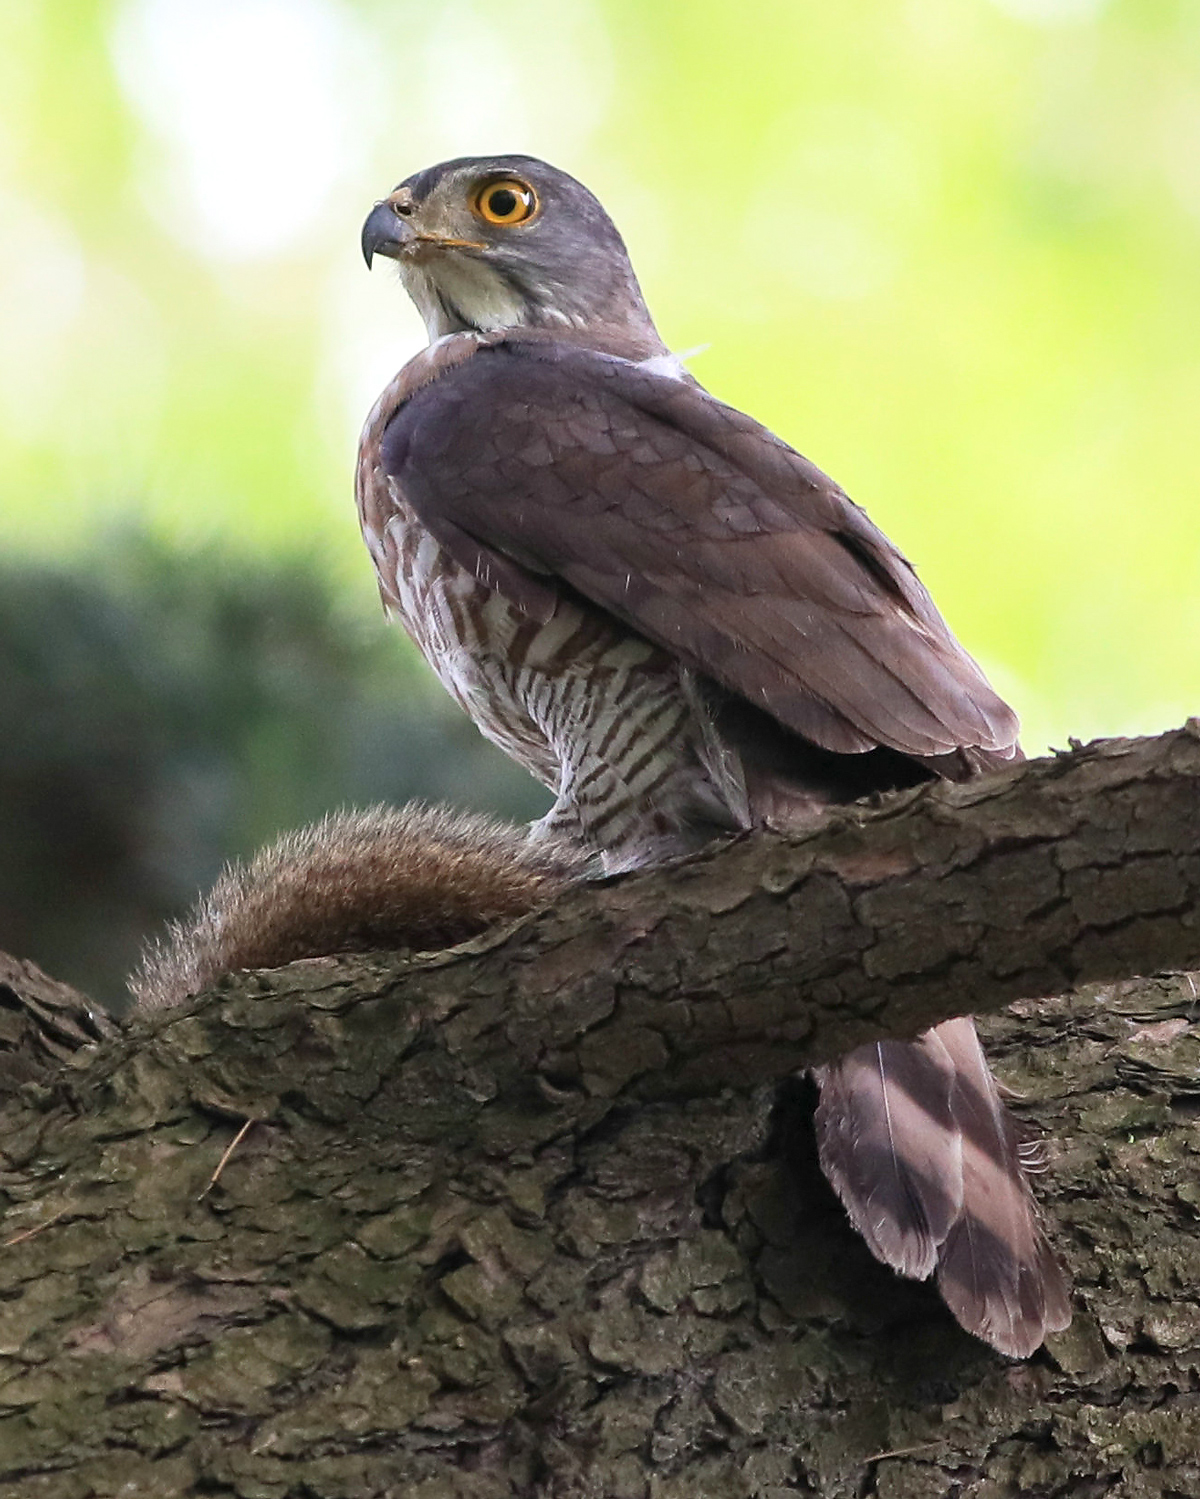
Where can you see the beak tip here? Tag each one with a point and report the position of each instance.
(383, 233)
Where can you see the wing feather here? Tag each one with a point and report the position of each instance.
(697, 527)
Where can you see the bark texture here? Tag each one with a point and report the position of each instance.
(537, 1217)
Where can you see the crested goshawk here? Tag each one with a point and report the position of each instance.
(683, 628)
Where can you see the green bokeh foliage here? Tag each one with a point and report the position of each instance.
(950, 248)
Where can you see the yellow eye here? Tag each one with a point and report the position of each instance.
(505, 202)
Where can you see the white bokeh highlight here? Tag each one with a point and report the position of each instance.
(275, 123)
(1051, 12)
(255, 106)
(43, 279)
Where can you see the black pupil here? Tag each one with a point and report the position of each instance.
(503, 202)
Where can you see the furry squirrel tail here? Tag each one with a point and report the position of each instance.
(410, 877)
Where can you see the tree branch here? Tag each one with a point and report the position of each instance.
(457, 1256)
(756, 959)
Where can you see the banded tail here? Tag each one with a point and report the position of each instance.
(916, 1141)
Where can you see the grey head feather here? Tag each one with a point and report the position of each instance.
(565, 268)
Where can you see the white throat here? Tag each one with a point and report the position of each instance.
(456, 292)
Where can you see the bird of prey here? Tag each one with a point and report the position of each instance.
(683, 628)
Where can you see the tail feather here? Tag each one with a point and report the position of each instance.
(996, 1270)
(917, 1143)
(889, 1145)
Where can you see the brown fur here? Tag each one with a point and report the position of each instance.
(410, 878)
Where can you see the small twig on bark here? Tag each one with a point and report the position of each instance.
(224, 1161)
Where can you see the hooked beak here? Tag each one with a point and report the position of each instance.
(385, 233)
(390, 232)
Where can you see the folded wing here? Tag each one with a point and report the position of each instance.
(697, 527)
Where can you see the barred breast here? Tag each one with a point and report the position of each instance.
(610, 723)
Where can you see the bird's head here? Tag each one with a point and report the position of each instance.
(494, 242)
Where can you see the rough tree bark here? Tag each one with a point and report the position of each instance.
(540, 1215)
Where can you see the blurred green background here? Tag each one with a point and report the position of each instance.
(948, 248)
